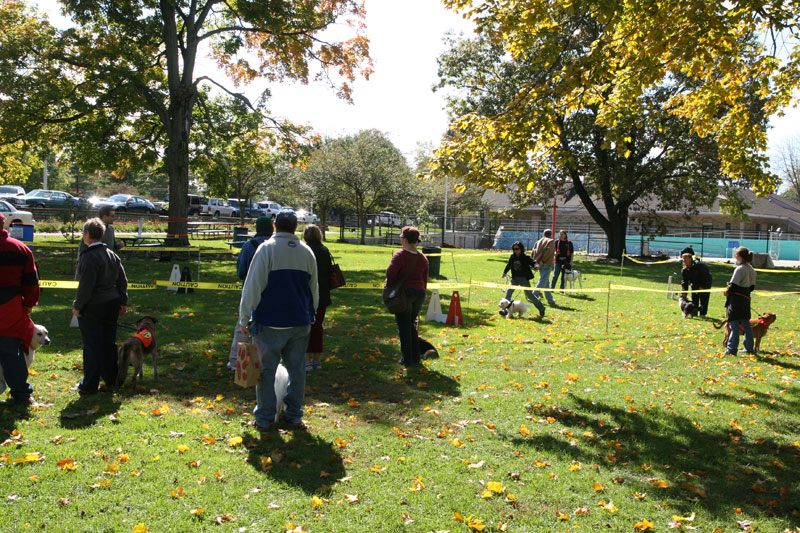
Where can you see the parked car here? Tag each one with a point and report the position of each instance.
(161, 207)
(129, 203)
(387, 218)
(44, 198)
(217, 207)
(12, 194)
(251, 209)
(15, 216)
(270, 208)
(307, 217)
(195, 205)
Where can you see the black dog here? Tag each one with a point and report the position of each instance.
(689, 309)
(428, 350)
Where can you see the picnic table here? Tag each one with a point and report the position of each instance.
(210, 230)
(138, 241)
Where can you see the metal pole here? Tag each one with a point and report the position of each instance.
(44, 174)
(444, 217)
(554, 218)
(702, 240)
(608, 304)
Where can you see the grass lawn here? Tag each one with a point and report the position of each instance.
(520, 425)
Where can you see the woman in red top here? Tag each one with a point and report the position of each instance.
(412, 264)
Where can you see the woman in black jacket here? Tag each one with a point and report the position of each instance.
(521, 267)
(313, 237)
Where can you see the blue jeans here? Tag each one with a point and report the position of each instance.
(272, 343)
(528, 294)
(15, 371)
(560, 270)
(544, 283)
(733, 340)
(406, 330)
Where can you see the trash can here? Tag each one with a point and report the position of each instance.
(240, 234)
(435, 262)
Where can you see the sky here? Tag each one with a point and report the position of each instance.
(406, 38)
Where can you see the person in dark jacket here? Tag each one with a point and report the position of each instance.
(313, 237)
(264, 230)
(737, 302)
(102, 296)
(521, 267)
(413, 265)
(564, 253)
(19, 293)
(696, 273)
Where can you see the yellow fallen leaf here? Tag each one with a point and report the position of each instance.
(177, 494)
(140, 528)
(524, 431)
(351, 498)
(235, 441)
(495, 486)
(183, 448)
(643, 525)
(197, 511)
(598, 487)
(67, 464)
(316, 501)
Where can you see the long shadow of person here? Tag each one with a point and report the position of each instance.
(84, 411)
(10, 415)
(304, 460)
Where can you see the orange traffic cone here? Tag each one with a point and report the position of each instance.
(454, 315)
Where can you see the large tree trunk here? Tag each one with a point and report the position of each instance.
(616, 233)
(178, 169)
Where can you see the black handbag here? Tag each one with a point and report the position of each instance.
(335, 275)
(394, 296)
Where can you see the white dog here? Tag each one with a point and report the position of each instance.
(572, 276)
(39, 339)
(513, 307)
(281, 384)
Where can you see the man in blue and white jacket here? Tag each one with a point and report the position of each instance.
(280, 298)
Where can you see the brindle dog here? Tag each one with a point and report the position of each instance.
(759, 325)
(134, 350)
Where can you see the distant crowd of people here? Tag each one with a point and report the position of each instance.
(286, 292)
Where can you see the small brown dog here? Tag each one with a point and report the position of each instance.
(133, 351)
(759, 325)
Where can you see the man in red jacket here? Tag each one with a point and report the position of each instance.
(19, 292)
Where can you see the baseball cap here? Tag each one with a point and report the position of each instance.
(410, 233)
(287, 215)
(263, 226)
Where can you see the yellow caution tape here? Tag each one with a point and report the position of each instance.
(629, 258)
(57, 284)
(236, 286)
(774, 271)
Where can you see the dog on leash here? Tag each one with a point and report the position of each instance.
(688, 308)
(133, 351)
(759, 326)
(40, 338)
(509, 308)
(572, 276)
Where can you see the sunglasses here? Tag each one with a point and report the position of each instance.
(515, 247)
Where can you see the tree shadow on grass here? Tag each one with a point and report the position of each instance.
(303, 460)
(771, 358)
(721, 468)
(83, 412)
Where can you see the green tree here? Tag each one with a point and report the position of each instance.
(120, 87)
(237, 153)
(514, 130)
(637, 46)
(362, 173)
